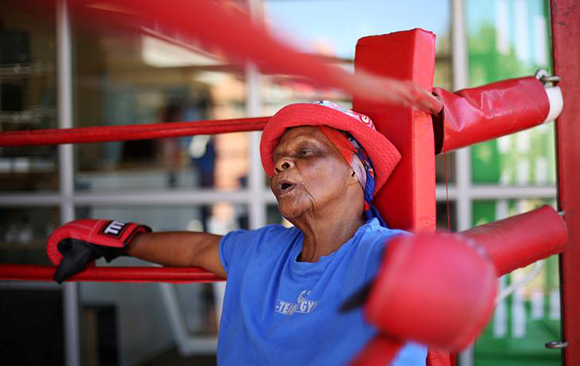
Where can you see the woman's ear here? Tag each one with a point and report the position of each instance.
(354, 178)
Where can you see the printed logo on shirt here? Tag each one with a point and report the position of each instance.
(302, 306)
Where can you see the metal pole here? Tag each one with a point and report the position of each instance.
(66, 177)
(460, 81)
(257, 205)
(462, 156)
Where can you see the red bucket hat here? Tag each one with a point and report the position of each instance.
(383, 155)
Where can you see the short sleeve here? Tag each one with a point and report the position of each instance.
(234, 246)
(240, 247)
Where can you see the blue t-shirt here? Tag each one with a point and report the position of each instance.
(278, 311)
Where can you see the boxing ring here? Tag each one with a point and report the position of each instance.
(407, 201)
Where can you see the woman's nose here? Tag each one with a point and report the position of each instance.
(283, 164)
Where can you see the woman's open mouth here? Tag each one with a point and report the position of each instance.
(285, 187)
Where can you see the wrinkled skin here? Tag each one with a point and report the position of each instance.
(316, 190)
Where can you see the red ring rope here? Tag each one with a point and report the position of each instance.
(111, 274)
(126, 133)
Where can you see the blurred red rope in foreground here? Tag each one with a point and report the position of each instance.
(111, 274)
(126, 133)
(215, 25)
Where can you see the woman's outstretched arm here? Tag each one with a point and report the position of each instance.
(179, 249)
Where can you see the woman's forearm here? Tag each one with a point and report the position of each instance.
(179, 249)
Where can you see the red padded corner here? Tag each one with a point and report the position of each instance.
(407, 201)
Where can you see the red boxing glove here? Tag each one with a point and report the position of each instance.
(433, 289)
(78, 243)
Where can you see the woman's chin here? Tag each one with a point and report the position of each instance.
(290, 215)
(291, 211)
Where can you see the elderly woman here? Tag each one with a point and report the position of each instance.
(284, 285)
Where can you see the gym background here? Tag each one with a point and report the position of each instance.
(216, 183)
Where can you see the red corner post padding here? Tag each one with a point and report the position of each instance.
(407, 201)
(479, 114)
(435, 289)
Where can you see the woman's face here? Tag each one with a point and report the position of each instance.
(310, 174)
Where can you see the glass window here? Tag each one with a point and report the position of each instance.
(528, 318)
(274, 216)
(143, 331)
(334, 26)
(137, 78)
(32, 324)
(445, 167)
(508, 39)
(446, 218)
(23, 234)
(331, 28)
(525, 158)
(27, 95)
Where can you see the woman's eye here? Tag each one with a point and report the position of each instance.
(304, 152)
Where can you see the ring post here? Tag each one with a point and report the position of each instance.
(566, 51)
(407, 201)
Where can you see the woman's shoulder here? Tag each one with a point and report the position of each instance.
(375, 231)
(375, 238)
(238, 246)
(369, 247)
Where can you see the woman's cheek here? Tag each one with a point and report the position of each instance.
(315, 167)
